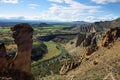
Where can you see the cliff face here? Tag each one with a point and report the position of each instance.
(84, 28)
(80, 39)
(86, 40)
(110, 36)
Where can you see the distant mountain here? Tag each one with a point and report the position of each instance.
(80, 22)
(11, 20)
(44, 25)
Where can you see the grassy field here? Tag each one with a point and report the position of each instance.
(52, 50)
(5, 30)
(47, 30)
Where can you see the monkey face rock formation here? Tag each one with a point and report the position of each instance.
(22, 34)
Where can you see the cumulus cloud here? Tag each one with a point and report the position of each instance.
(57, 1)
(105, 17)
(33, 6)
(14, 16)
(74, 11)
(105, 1)
(108, 17)
(9, 1)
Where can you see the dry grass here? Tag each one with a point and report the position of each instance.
(108, 61)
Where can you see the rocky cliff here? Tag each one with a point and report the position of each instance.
(96, 26)
(92, 44)
(84, 28)
(99, 65)
(110, 36)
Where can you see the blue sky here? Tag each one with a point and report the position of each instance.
(60, 10)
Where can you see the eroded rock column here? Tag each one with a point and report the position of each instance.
(22, 34)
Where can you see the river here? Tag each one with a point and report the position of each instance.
(63, 54)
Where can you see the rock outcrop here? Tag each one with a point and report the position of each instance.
(80, 39)
(92, 46)
(69, 65)
(84, 28)
(88, 40)
(19, 68)
(110, 36)
(91, 49)
(22, 34)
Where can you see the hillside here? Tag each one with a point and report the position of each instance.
(96, 26)
(88, 63)
(99, 64)
(104, 64)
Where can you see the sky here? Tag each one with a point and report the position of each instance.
(60, 10)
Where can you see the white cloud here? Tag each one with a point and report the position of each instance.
(105, 1)
(57, 1)
(62, 17)
(9, 1)
(75, 11)
(33, 6)
(72, 12)
(106, 17)
(14, 16)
